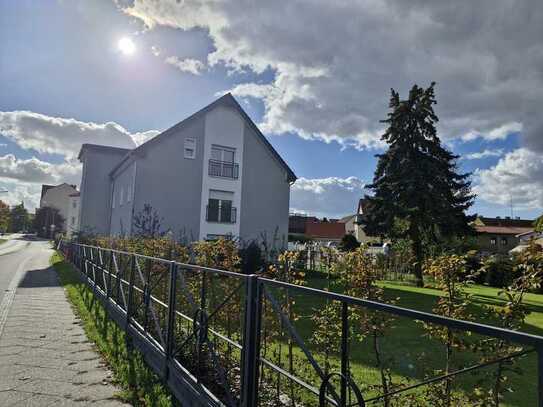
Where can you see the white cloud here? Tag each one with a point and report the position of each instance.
(334, 62)
(517, 176)
(483, 154)
(46, 134)
(331, 197)
(188, 65)
(58, 135)
(19, 192)
(34, 170)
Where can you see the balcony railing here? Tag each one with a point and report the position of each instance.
(223, 169)
(219, 214)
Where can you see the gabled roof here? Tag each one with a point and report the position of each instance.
(346, 219)
(502, 230)
(226, 100)
(99, 147)
(505, 222)
(45, 188)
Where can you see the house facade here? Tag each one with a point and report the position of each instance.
(499, 235)
(213, 174)
(58, 197)
(72, 221)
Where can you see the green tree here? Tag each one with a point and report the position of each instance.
(44, 218)
(416, 179)
(348, 243)
(4, 217)
(538, 224)
(18, 218)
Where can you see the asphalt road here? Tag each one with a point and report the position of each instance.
(17, 256)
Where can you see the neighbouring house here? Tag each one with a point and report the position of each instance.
(58, 197)
(72, 221)
(325, 231)
(499, 235)
(297, 223)
(526, 238)
(213, 174)
(354, 225)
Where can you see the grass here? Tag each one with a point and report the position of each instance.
(413, 355)
(141, 387)
(3, 241)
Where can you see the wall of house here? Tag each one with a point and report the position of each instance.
(94, 207)
(72, 221)
(484, 243)
(59, 198)
(172, 184)
(223, 127)
(122, 200)
(265, 193)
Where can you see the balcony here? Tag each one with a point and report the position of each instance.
(223, 169)
(221, 214)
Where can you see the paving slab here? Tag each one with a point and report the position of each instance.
(45, 356)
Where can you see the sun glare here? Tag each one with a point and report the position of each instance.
(126, 46)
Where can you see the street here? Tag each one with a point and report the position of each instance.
(45, 356)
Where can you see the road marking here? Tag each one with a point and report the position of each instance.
(8, 297)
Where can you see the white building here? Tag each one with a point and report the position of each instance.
(58, 197)
(72, 221)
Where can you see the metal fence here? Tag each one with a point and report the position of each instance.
(218, 337)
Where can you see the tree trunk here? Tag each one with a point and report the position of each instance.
(417, 251)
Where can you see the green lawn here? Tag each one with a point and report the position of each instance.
(411, 355)
(141, 387)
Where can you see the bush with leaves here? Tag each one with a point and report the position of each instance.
(511, 316)
(449, 273)
(359, 277)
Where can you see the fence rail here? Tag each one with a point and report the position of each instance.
(204, 331)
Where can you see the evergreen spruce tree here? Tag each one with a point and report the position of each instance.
(416, 183)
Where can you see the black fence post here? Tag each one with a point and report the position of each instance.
(171, 319)
(540, 376)
(344, 352)
(130, 292)
(251, 342)
(109, 267)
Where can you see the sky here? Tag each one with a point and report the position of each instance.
(314, 76)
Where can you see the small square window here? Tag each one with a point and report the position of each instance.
(504, 241)
(190, 148)
(493, 241)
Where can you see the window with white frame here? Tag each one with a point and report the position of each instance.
(190, 148)
(223, 154)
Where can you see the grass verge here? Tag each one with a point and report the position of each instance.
(141, 386)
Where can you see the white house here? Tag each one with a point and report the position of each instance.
(72, 221)
(58, 197)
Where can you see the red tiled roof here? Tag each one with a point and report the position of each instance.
(502, 230)
(330, 230)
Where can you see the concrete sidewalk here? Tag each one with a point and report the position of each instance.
(45, 357)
